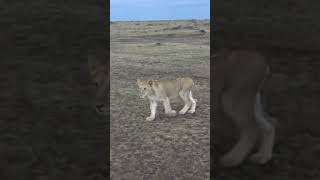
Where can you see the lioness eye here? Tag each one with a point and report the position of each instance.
(144, 88)
(96, 84)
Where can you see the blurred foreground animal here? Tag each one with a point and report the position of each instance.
(99, 71)
(238, 79)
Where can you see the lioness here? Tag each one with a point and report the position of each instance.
(238, 77)
(99, 70)
(164, 91)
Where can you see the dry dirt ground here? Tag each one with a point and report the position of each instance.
(166, 148)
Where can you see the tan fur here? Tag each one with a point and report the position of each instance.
(166, 90)
(238, 77)
(99, 70)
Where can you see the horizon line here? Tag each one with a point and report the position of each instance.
(187, 19)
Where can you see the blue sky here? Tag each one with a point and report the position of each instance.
(124, 10)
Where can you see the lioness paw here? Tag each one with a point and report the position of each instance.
(172, 113)
(191, 111)
(150, 118)
(227, 162)
(182, 112)
(260, 158)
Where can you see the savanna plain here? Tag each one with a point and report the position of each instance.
(168, 147)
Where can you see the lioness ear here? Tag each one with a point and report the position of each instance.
(150, 82)
(138, 81)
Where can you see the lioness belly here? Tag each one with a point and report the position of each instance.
(173, 96)
(172, 89)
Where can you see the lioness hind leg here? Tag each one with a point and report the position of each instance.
(187, 102)
(264, 153)
(240, 111)
(193, 103)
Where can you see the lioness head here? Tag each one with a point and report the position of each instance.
(99, 70)
(145, 87)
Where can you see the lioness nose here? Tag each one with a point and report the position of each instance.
(99, 106)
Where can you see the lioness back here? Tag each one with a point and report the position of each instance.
(172, 88)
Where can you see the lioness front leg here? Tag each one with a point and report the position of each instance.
(168, 109)
(153, 107)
